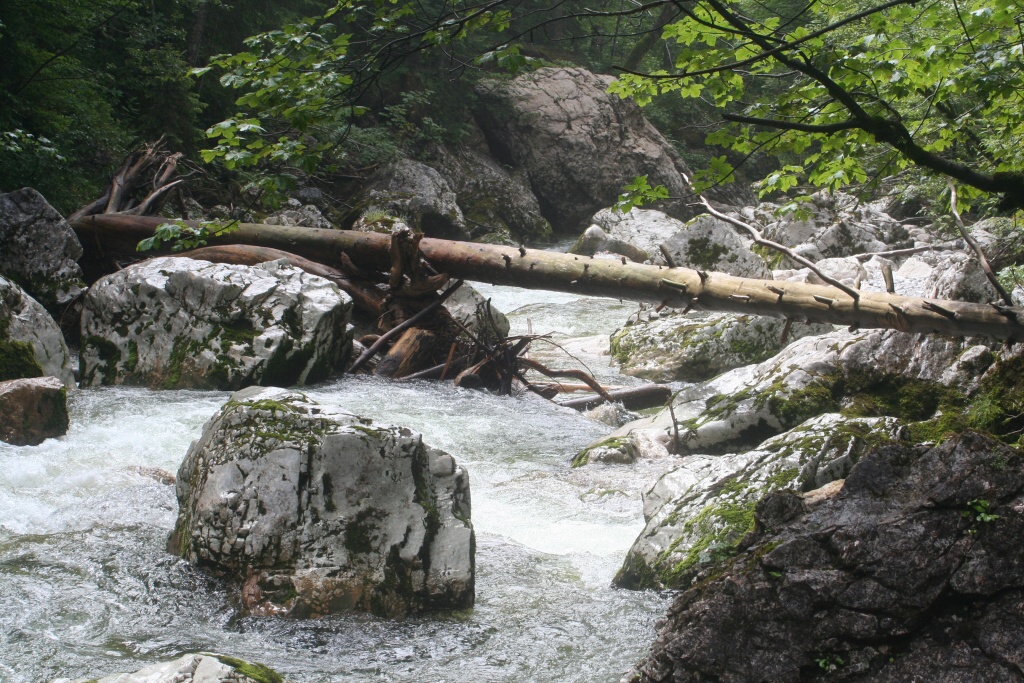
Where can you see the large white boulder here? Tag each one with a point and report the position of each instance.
(184, 323)
(31, 343)
(315, 510)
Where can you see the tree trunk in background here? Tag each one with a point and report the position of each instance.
(535, 269)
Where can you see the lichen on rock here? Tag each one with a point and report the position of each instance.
(184, 323)
(309, 509)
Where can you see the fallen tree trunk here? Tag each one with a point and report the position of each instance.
(677, 287)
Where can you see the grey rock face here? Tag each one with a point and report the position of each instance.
(698, 511)
(31, 344)
(38, 250)
(192, 668)
(418, 194)
(301, 215)
(32, 410)
(578, 144)
(837, 226)
(637, 235)
(183, 323)
(694, 347)
(913, 571)
(317, 510)
(708, 243)
(471, 309)
(497, 203)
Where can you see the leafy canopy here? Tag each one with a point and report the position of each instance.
(862, 89)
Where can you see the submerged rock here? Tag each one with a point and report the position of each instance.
(314, 510)
(192, 668)
(184, 323)
(32, 410)
(39, 250)
(912, 571)
(31, 343)
(699, 511)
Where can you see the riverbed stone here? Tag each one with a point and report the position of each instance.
(637, 234)
(497, 202)
(32, 410)
(39, 250)
(417, 194)
(692, 347)
(192, 668)
(31, 343)
(185, 323)
(922, 379)
(578, 144)
(835, 224)
(708, 243)
(311, 509)
(700, 510)
(912, 571)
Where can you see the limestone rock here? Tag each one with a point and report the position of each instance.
(707, 243)
(32, 410)
(700, 510)
(475, 312)
(192, 668)
(39, 250)
(863, 373)
(913, 571)
(638, 234)
(578, 144)
(419, 195)
(317, 510)
(298, 214)
(838, 225)
(497, 203)
(693, 347)
(185, 323)
(31, 344)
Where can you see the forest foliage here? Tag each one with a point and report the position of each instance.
(799, 93)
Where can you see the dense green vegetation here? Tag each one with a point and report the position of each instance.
(840, 93)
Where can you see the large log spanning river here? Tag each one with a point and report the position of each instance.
(87, 589)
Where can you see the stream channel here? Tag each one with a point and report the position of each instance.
(87, 589)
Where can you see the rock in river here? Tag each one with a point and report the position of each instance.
(912, 571)
(192, 668)
(184, 323)
(314, 510)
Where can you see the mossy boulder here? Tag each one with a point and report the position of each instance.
(707, 243)
(673, 346)
(308, 509)
(182, 323)
(417, 194)
(699, 512)
(192, 668)
(31, 343)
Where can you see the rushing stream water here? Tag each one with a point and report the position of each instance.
(87, 589)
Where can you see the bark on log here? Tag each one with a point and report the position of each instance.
(633, 398)
(678, 287)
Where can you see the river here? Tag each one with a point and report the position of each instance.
(87, 589)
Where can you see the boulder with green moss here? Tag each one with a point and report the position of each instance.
(698, 512)
(419, 195)
(708, 243)
(692, 347)
(192, 668)
(31, 343)
(183, 323)
(309, 509)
